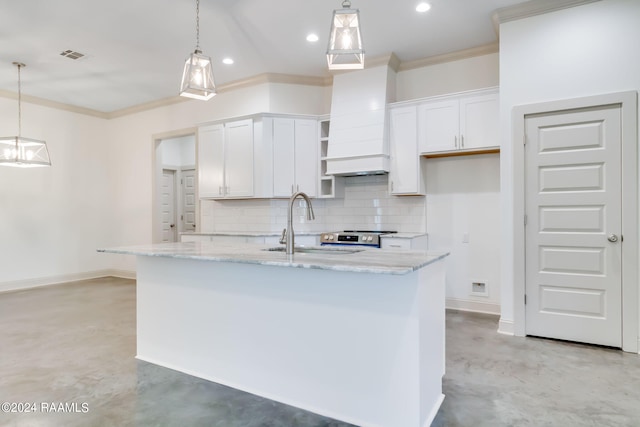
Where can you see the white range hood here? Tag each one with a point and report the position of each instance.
(358, 135)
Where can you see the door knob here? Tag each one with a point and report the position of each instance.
(612, 238)
(172, 225)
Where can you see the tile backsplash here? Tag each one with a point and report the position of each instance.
(366, 205)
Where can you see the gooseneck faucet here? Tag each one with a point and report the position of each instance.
(290, 234)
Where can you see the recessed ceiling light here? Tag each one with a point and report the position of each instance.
(227, 61)
(312, 38)
(423, 7)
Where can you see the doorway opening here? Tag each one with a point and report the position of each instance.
(175, 205)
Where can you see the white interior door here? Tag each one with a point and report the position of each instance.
(189, 200)
(168, 205)
(573, 205)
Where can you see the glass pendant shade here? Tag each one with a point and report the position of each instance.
(345, 51)
(197, 78)
(23, 152)
(19, 151)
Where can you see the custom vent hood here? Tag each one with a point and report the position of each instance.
(358, 135)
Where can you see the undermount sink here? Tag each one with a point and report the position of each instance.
(316, 250)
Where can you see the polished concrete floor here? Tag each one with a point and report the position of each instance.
(69, 350)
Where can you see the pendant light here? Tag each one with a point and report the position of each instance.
(345, 51)
(197, 78)
(22, 152)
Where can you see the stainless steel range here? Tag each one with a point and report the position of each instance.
(368, 238)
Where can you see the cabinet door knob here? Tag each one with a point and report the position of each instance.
(612, 238)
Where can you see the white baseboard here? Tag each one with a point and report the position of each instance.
(54, 280)
(506, 327)
(472, 305)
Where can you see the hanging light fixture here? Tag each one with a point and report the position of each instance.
(19, 151)
(345, 51)
(197, 78)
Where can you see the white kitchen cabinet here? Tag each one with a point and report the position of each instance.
(300, 240)
(195, 238)
(295, 156)
(226, 160)
(405, 171)
(402, 241)
(233, 239)
(439, 126)
(210, 161)
(479, 121)
(238, 159)
(462, 123)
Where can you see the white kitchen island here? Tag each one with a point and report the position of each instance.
(357, 337)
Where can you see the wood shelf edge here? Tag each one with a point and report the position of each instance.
(460, 153)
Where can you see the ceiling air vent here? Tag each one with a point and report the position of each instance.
(72, 54)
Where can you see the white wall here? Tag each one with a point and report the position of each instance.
(581, 51)
(463, 217)
(53, 219)
(449, 77)
(180, 151)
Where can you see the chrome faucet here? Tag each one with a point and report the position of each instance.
(290, 237)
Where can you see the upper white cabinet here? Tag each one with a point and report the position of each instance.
(460, 123)
(238, 157)
(210, 161)
(225, 160)
(262, 156)
(405, 172)
(295, 156)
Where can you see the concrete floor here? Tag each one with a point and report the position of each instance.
(75, 344)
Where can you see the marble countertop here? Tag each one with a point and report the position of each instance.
(378, 261)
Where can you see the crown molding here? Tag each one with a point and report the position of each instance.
(53, 104)
(532, 8)
(450, 57)
(146, 106)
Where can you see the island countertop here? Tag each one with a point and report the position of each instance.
(379, 261)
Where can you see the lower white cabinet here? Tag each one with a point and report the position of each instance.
(405, 242)
(233, 239)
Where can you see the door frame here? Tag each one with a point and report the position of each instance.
(630, 292)
(156, 177)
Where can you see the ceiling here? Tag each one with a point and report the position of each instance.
(135, 49)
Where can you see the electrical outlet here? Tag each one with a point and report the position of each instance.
(480, 288)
